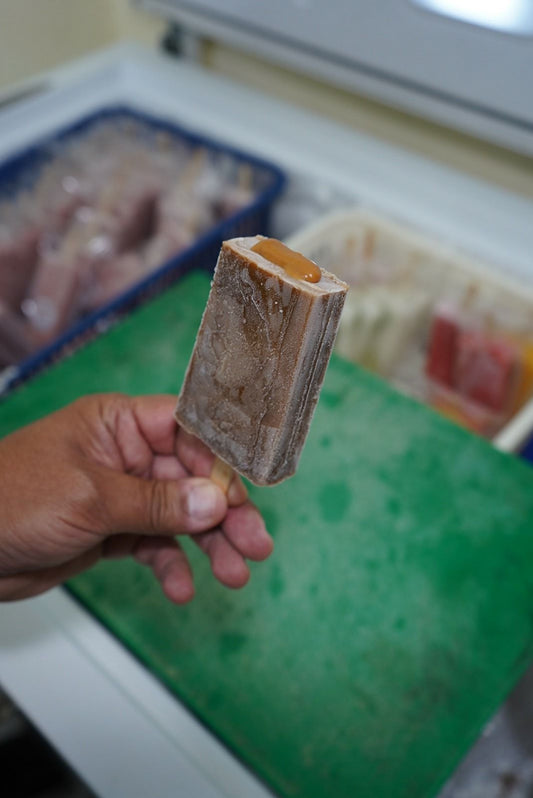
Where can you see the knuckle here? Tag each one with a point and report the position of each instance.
(85, 501)
(158, 507)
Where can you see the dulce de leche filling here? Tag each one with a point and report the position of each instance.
(295, 264)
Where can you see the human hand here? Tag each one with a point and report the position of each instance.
(111, 476)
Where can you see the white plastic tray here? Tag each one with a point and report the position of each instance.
(327, 241)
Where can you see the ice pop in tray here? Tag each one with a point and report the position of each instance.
(106, 213)
(439, 324)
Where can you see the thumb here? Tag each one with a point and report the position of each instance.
(161, 507)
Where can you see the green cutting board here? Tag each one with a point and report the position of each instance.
(364, 657)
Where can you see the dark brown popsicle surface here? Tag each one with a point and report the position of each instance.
(260, 357)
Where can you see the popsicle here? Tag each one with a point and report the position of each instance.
(442, 350)
(15, 340)
(260, 357)
(487, 369)
(18, 258)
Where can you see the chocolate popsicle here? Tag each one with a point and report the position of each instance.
(260, 357)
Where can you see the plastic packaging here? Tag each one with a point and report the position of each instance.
(97, 210)
(440, 325)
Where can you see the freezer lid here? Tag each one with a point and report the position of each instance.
(419, 56)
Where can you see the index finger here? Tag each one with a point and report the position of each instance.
(154, 416)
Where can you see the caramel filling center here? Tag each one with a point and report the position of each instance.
(295, 264)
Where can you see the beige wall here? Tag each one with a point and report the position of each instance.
(137, 25)
(39, 34)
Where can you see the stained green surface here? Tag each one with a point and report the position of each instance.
(395, 614)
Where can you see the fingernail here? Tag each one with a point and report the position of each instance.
(203, 501)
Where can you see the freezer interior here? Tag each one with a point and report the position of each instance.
(439, 325)
(322, 178)
(102, 215)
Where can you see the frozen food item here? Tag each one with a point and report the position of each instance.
(232, 198)
(439, 324)
(363, 317)
(187, 209)
(51, 301)
(481, 367)
(445, 329)
(260, 357)
(103, 209)
(407, 311)
(18, 256)
(56, 196)
(377, 325)
(15, 341)
(121, 218)
(473, 416)
(127, 218)
(165, 244)
(111, 276)
(487, 369)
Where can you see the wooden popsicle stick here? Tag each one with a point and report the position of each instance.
(222, 474)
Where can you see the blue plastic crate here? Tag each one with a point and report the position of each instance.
(21, 170)
(527, 451)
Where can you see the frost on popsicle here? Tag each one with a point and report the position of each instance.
(260, 357)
